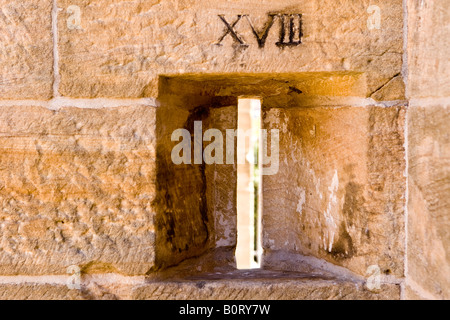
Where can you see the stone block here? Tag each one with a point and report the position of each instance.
(429, 203)
(76, 188)
(428, 48)
(26, 51)
(119, 48)
(339, 193)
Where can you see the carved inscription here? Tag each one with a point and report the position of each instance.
(230, 29)
(291, 30)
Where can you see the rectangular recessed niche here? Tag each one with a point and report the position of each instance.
(198, 204)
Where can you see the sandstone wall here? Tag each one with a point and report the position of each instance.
(121, 47)
(428, 264)
(90, 92)
(76, 188)
(344, 168)
(27, 49)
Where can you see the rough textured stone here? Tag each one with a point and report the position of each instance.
(428, 48)
(85, 186)
(26, 64)
(410, 293)
(87, 287)
(339, 191)
(121, 47)
(221, 183)
(195, 210)
(428, 266)
(262, 289)
(182, 220)
(232, 285)
(357, 225)
(76, 187)
(392, 90)
(39, 291)
(429, 203)
(213, 276)
(287, 89)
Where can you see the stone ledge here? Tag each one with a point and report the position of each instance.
(263, 289)
(234, 285)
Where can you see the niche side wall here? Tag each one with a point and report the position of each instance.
(339, 192)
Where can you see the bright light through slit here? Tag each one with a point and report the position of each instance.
(248, 249)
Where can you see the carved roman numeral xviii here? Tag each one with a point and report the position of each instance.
(290, 30)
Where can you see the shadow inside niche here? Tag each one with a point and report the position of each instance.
(187, 195)
(184, 202)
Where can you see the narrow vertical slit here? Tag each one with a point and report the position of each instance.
(248, 249)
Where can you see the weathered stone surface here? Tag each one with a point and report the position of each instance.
(39, 291)
(429, 202)
(76, 188)
(121, 47)
(182, 221)
(364, 144)
(428, 48)
(213, 276)
(394, 89)
(339, 192)
(233, 285)
(87, 287)
(195, 202)
(221, 183)
(26, 64)
(287, 89)
(262, 289)
(84, 187)
(410, 294)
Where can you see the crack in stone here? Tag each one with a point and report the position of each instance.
(384, 84)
